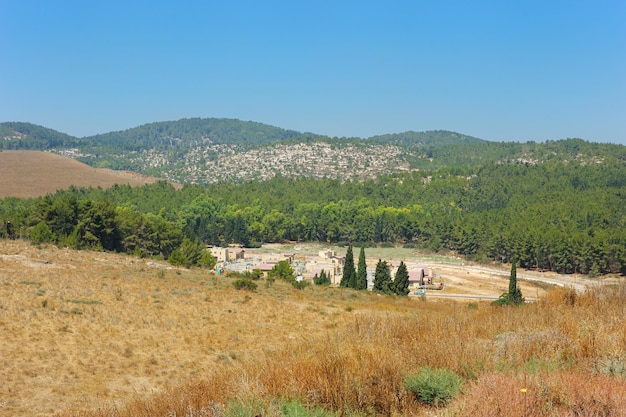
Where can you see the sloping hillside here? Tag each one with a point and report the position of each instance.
(35, 173)
(211, 150)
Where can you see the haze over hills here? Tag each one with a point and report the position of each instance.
(211, 150)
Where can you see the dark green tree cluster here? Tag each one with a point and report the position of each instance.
(321, 279)
(284, 271)
(351, 277)
(385, 285)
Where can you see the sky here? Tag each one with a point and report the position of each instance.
(497, 70)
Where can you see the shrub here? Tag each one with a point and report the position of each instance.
(295, 408)
(299, 285)
(41, 233)
(280, 407)
(434, 387)
(322, 279)
(245, 284)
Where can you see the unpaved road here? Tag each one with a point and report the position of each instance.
(483, 282)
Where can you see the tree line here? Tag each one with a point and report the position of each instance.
(567, 217)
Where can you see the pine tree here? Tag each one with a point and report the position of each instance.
(361, 275)
(348, 279)
(401, 280)
(382, 277)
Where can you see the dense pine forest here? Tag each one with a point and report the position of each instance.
(564, 215)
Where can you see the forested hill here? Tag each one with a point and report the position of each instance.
(161, 135)
(24, 136)
(435, 138)
(205, 151)
(158, 135)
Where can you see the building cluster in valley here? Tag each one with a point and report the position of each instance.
(307, 266)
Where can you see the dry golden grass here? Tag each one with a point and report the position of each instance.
(33, 173)
(98, 334)
(89, 328)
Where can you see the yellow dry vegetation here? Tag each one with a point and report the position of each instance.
(99, 334)
(82, 328)
(34, 173)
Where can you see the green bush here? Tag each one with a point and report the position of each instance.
(278, 407)
(299, 285)
(434, 387)
(41, 233)
(245, 284)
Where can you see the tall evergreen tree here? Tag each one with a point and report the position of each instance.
(513, 278)
(382, 277)
(401, 280)
(361, 275)
(514, 295)
(348, 279)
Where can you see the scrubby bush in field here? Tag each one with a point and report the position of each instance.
(282, 408)
(245, 284)
(434, 386)
(300, 285)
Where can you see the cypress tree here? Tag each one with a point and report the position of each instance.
(361, 277)
(513, 279)
(348, 279)
(514, 295)
(382, 277)
(401, 280)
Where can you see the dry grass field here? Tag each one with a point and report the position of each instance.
(33, 173)
(100, 334)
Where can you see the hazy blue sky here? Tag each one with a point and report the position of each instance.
(498, 70)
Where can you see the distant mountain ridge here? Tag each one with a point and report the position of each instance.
(209, 150)
(212, 130)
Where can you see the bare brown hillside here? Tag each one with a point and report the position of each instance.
(35, 173)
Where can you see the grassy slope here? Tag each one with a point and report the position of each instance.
(34, 173)
(95, 327)
(97, 331)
